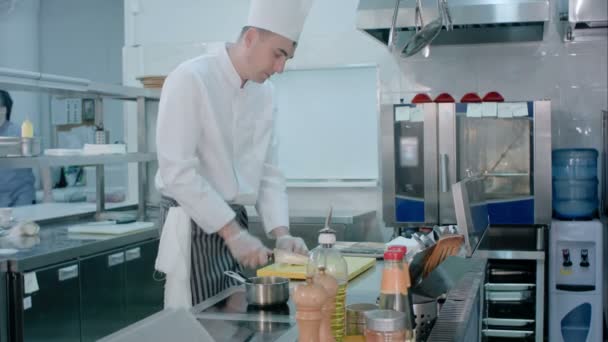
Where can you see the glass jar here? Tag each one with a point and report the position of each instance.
(355, 318)
(386, 326)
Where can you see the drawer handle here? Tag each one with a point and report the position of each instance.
(133, 254)
(116, 259)
(67, 272)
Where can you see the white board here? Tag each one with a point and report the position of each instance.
(328, 123)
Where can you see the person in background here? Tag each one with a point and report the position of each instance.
(16, 185)
(217, 148)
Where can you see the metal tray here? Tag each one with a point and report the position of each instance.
(508, 296)
(507, 333)
(511, 309)
(509, 287)
(507, 322)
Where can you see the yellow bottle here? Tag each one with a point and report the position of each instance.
(27, 129)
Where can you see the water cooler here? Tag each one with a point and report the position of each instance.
(576, 282)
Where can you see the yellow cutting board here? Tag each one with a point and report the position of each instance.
(355, 266)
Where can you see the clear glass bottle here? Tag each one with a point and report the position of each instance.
(326, 257)
(394, 292)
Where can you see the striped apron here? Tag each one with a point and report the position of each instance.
(209, 255)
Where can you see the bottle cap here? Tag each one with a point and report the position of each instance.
(327, 237)
(384, 320)
(401, 249)
(393, 255)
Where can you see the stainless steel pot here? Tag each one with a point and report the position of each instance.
(264, 291)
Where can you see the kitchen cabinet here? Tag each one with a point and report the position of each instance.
(46, 304)
(144, 294)
(118, 289)
(85, 298)
(3, 304)
(102, 294)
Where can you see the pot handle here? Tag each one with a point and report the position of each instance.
(236, 276)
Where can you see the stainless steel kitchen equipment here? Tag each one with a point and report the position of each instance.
(471, 211)
(515, 272)
(264, 291)
(430, 146)
(423, 36)
(469, 199)
(473, 21)
(10, 146)
(425, 314)
(166, 325)
(583, 19)
(228, 311)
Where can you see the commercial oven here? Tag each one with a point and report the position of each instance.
(427, 147)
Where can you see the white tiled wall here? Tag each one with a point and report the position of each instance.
(575, 82)
(574, 76)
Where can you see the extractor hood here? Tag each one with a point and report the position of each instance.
(584, 19)
(475, 21)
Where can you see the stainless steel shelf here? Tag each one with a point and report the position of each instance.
(12, 79)
(22, 80)
(42, 161)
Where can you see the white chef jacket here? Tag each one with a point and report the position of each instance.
(216, 144)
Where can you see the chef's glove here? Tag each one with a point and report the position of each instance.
(247, 250)
(292, 244)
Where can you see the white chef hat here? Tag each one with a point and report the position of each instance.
(284, 17)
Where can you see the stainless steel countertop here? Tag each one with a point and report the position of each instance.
(54, 244)
(233, 320)
(339, 216)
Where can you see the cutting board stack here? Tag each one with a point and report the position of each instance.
(355, 266)
(153, 82)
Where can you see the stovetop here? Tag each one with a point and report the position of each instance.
(228, 317)
(235, 302)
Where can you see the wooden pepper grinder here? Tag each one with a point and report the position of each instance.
(309, 299)
(330, 284)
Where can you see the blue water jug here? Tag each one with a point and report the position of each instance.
(575, 183)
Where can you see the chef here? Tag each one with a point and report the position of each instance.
(217, 152)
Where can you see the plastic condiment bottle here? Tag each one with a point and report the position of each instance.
(309, 299)
(334, 264)
(385, 326)
(407, 279)
(394, 290)
(330, 285)
(27, 129)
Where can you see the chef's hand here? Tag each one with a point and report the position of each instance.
(246, 249)
(289, 243)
